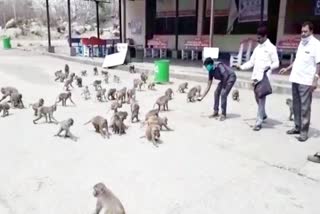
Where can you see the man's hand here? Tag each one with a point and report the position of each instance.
(283, 71)
(238, 67)
(314, 84)
(267, 69)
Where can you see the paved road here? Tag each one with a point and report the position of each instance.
(203, 166)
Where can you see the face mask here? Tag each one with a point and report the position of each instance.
(305, 40)
(210, 67)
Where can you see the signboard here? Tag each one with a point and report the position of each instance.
(167, 8)
(249, 10)
(317, 8)
(289, 42)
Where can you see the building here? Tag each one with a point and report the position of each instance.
(234, 20)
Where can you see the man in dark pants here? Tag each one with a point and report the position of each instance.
(227, 78)
(304, 77)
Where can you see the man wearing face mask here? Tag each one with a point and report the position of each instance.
(227, 77)
(304, 77)
(264, 59)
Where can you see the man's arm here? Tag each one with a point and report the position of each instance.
(250, 63)
(317, 74)
(206, 91)
(274, 59)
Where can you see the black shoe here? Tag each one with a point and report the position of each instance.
(302, 138)
(265, 117)
(214, 115)
(223, 117)
(293, 131)
(257, 128)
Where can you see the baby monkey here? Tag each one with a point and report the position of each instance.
(5, 108)
(236, 95)
(65, 126)
(37, 105)
(289, 104)
(86, 93)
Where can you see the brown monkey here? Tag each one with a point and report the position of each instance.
(66, 70)
(169, 93)
(122, 115)
(144, 77)
(137, 83)
(106, 79)
(68, 83)
(58, 73)
(84, 73)
(115, 105)
(95, 71)
(65, 126)
(106, 200)
(46, 112)
(64, 97)
(131, 94)
(161, 121)
(105, 73)
(101, 95)
(7, 91)
(16, 100)
(5, 108)
(116, 79)
(79, 81)
(134, 111)
(182, 87)
(37, 105)
(117, 125)
(162, 101)
(153, 134)
(132, 69)
(193, 93)
(97, 85)
(86, 93)
(101, 126)
(112, 93)
(289, 104)
(121, 95)
(152, 113)
(236, 95)
(151, 86)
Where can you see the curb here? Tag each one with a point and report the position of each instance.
(278, 86)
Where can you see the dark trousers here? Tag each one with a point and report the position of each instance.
(301, 101)
(223, 92)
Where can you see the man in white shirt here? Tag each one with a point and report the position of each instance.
(304, 77)
(264, 59)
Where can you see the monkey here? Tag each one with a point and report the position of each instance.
(84, 73)
(58, 73)
(79, 81)
(86, 93)
(106, 79)
(65, 126)
(153, 134)
(182, 87)
(153, 112)
(131, 94)
(144, 77)
(101, 95)
(117, 125)
(115, 105)
(16, 100)
(162, 101)
(236, 95)
(5, 108)
(169, 93)
(121, 94)
(106, 200)
(66, 70)
(134, 111)
(112, 94)
(46, 111)
(95, 71)
(122, 115)
(151, 86)
(116, 79)
(68, 83)
(105, 73)
(37, 105)
(61, 77)
(193, 93)
(97, 85)
(64, 97)
(289, 104)
(101, 126)
(156, 120)
(132, 69)
(72, 76)
(7, 91)
(137, 83)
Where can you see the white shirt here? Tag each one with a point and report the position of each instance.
(305, 65)
(264, 55)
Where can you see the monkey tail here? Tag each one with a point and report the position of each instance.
(87, 122)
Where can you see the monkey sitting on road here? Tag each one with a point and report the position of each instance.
(7, 91)
(105, 73)
(132, 69)
(58, 73)
(106, 200)
(86, 93)
(182, 87)
(156, 120)
(37, 105)
(112, 94)
(134, 111)
(236, 95)
(16, 100)
(65, 126)
(169, 93)
(144, 77)
(106, 79)
(137, 83)
(101, 126)
(63, 97)
(46, 112)
(121, 95)
(193, 93)
(101, 95)
(153, 134)
(289, 104)
(162, 101)
(131, 94)
(117, 125)
(84, 73)
(5, 108)
(79, 81)
(122, 114)
(95, 71)
(97, 85)
(115, 105)
(151, 86)
(116, 79)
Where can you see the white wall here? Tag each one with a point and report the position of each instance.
(136, 11)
